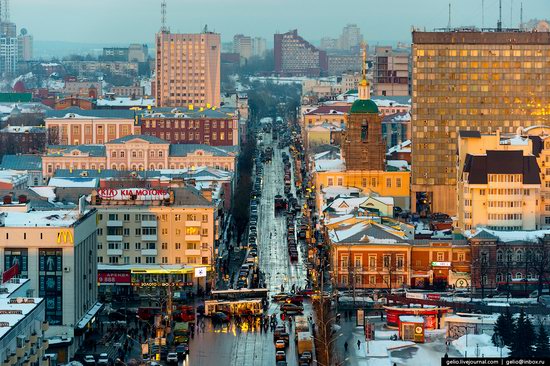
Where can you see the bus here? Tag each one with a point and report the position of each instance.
(244, 293)
(235, 307)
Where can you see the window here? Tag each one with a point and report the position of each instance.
(344, 262)
(100, 231)
(178, 260)
(499, 277)
(126, 260)
(398, 182)
(113, 260)
(358, 279)
(372, 280)
(204, 218)
(138, 260)
(164, 245)
(164, 260)
(400, 262)
(386, 261)
(126, 246)
(113, 217)
(178, 246)
(137, 246)
(204, 232)
(388, 182)
(138, 231)
(440, 256)
(344, 280)
(150, 260)
(372, 262)
(99, 245)
(99, 259)
(340, 181)
(461, 257)
(358, 261)
(519, 276)
(126, 231)
(126, 217)
(192, 230)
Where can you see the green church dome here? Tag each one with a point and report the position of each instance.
(364, 106)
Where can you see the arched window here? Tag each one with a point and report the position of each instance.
(113, 167)
(140, 167)
(160, 153)
(519, 255)
(529, 276)
(364, 130)
(152, 153)
(122, 154)
(92, 167)
(499, 277)
(140, 154)
(500, 255)
(508, 276)
(509, 256)
(35, 181)
(134, 167)
(160, 166)
(122, 167)
(134, 154)
(519, 276)
(152, 167)
(113, 154)
(172, 166)
(101, 166)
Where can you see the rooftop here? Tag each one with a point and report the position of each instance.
(18, 311)
(149, 139)
(50, 218)
(21, 162)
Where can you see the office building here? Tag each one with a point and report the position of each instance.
(294, 56)
(351, 38)
(391, 71)
(25, 45)
(470, 80)
(9, 55)
(339, 64)
(259, 46)
(56, 250)
(243, 45)
(187, 69)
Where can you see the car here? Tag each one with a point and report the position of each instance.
(306, 292)
(172, 357)
(153, 363)
(103, 359)
(280, 356)
(292, 308)
(296, 300)
(306, 357)
(280, 344)
(281, 336)
(280, 296)
(182, 350)
(89, 360)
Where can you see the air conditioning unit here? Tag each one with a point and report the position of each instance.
(67, 269)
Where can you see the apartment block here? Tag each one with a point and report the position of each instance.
(391, 71)
(294, 56)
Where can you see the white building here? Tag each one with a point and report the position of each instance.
(25, 46)
(9, 55)
(57, 251)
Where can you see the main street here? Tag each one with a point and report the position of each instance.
(239, 345)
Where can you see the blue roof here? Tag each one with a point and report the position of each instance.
(109, 173)
(22, 162)
(150, 139)
(93, 150)
(186, 149)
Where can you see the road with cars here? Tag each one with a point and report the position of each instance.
(241, 345)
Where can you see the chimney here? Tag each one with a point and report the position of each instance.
(207, 193)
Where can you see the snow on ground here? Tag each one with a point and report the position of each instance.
(478, 345)
(385, 334)
(381, 348)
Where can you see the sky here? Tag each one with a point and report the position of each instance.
(126, 21)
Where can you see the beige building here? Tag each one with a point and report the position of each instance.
(56, 251)
(187, 69)
(391, 71)
(136, 153)
(156, 226)
(499, 185)
(243, 45)
(480, 81)
(73, 129)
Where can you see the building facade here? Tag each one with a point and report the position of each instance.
(187, 69)
(294, 56)
(22, 140)
(243, 45)
(470, 80)
(339, 64)
(391, 74)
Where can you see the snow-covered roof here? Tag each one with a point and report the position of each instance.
(345, 204)
(515, 140)
(481, 344)
(411, 318)
(333, 191)
(405, 146)
(14, 177)
(21, 311)
(340, 235)
(44, 191)
(508, 236)
(336, 165)
(23, 129)
(399, 164)
(125, 102)
(74, 182)
(55, 218)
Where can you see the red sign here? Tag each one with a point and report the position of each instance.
(433, 296)
(113, 277)
(132, 193)
(10, 273)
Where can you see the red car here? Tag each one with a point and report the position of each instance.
(306, 292)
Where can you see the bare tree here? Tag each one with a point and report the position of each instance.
(539, 262)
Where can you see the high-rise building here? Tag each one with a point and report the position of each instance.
(25, 46)
(362, 145)
(328, 43)
(138, 52)
(259, 46)
(350, 38)
(9, 55)
(294, 56)
(187, 69)
(243, 46)
(470, 81)
(391, 71)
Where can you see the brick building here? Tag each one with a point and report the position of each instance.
(22, 140)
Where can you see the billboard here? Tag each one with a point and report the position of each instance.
(134, 194)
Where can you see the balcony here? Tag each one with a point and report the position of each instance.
(193, 252)
(148, 223)
(192, 237)
(149, 252)
(150, 237)
(193, 223)
(117, 238)
(114, 223)
(114, 251)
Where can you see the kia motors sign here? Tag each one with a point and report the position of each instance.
(135, 194)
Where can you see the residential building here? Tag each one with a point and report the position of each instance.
(499, 182)
(25, 46)
(351, 38)
(9, 55)
(207, 126)
(396, 128)
(134, 91)
(137, 153)
(22, 333)
(162, 226)
(138, 53)
(91, 89)
(475, 80)
(328, 43)
(22, 140)
(339, 64)
(259, 46)
(115, 54)
(75, 129)
(56, 250)
(89, 68)
(391, 71)
(30, 164)
(243, 45)
(187, 69)
(294, 56)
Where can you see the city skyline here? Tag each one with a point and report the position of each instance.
(145, 21)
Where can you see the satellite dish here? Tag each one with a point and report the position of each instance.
(24, 31)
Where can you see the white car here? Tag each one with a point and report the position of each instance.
(103, 359)
(89, 360)
(172, 357)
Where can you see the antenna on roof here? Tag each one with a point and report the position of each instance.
(521, 17)
(449, 23)
(482, 14)
(205, 29)
(163, 27)
(6, 10)
(511, 13)
(499, 23)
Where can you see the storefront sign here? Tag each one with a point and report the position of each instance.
(21, 300)
(132, 194)
(162, 284)
(4, 324)
(11, 311)
(113, 277)
(360, 317)
(415, 295)
(441, 264)
(10, 273)
(433, 296)
(65, 236)
(200, 272)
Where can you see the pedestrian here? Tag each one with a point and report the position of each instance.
(346, 346)
(358, 344)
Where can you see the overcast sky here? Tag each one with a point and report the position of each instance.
(124, 21)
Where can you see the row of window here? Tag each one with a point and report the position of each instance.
(152, 245)
(499, 216)
(152, 217)
(152, 260)
(505, 178)
(183, 124)
(191, 230)
(480, 52)
(365, 182)
(387, 280)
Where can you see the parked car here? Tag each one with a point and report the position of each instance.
(280, 344)
(172, 357)
(89, 360)
(292, 308)
(103, 359)
(280, 296)
(280, 356)
(182, 350)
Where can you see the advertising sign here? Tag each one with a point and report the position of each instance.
(415, 295)
(433, 296)
(10, 273)
(360, 317)
(200, 272)
(65, 236)
(115, 277)
(136, 194)
(441, 264)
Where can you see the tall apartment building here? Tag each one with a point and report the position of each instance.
(339, 64)
(243, 45)
(25, 46)
(350, 38)
(187, 69)
(294, 56)
(9, 55)
(470, 80)
(259, 46)
(391, 71)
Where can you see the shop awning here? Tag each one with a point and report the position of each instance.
(89, 316)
